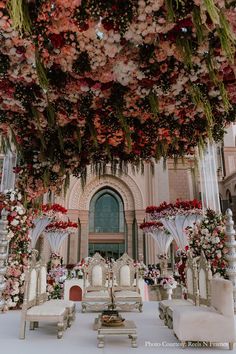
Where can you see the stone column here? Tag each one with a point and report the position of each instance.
(84, 232)
(72, 243)
(140, 215)
(231, 256)
(129, 217)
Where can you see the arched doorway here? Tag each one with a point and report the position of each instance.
(106, 224)
(75, 293)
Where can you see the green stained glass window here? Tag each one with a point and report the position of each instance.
(106, 214)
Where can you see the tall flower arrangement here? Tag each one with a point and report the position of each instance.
(43, 216)
(112, 81)
(162, 238)
(19, 224)
(57, 232)
(209, 236)
(176, 217)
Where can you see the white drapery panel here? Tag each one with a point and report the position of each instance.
(56, 239)
(176, 226)
(162, 240)
(8, 176)
(39, 226)
(209, 179)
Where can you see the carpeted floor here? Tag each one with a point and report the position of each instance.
(153, 336)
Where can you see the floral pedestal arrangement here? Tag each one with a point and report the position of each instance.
(55, 260)
(168, 283)
(158, 293)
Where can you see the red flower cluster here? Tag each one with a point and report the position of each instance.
(183, 205)
(149, 224)
(61, 225)
(57, 208)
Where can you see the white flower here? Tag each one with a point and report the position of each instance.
(15, 222)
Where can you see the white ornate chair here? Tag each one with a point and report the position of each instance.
(204, 276)
(214, 324)
(34, 313)
(42, 296)
(125, 289)
(97, 293)
(192, 291)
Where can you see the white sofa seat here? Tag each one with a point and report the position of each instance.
(57, 302)
(208, 324)
(126, 293)
(41, 310)
(176, 302)
(206, 320)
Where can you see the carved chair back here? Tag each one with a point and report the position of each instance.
(204, 280)
(192, 279)
(42, 295)
(96, 274)
(31, 283)
(125, 274)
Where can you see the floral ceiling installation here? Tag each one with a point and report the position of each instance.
(126, 81)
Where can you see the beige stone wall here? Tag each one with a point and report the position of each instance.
(181, 183)
(137, 191)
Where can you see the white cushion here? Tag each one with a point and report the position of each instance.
(58, 302)
(126, 293)
(46, 311)
(194, 323)
(97, 275)
(175, 302)
(222, 296)
(97, 294)
(125, 275)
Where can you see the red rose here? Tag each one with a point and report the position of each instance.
(107, 24)
(83, 27)
(147, 83)
(57, 40)
(20, 50)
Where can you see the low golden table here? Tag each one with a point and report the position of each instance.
(128, 328)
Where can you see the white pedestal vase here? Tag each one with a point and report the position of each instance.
(169, 293)
(177, 224)
(163, 241)
(56, 239)
(169, 290)
(40, 225)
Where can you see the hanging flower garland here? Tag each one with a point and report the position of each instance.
(209, 236)
(113, 81)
